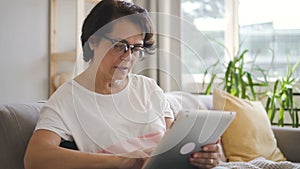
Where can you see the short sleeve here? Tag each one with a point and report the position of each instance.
(168, 112)
(50, 120)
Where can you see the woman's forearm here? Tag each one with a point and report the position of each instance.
(60, 158)
(43, 152)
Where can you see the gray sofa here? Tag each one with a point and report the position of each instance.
(17, 122)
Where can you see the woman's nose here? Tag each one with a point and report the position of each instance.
(127, 55)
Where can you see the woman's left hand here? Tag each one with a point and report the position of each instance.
(209, 157)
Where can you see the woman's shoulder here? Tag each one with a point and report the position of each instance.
(143, 82)
(62, 92)
(66, 87)
(136, 77)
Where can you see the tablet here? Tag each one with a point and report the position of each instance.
(191, 130)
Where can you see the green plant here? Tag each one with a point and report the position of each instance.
(282, 94)
(240, 82)
(237, 81)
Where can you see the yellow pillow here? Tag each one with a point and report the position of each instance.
(250, 134)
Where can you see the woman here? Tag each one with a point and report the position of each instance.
(114, 117)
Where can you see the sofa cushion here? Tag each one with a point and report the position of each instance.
(17, 122)
(250, 134)
(288, 142)
(182, 100)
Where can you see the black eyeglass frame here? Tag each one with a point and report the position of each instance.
(128, 46)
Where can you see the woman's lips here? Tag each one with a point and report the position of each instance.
(121, 68)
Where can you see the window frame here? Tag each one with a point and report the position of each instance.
(231, 41)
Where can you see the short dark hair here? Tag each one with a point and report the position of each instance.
(106, 11)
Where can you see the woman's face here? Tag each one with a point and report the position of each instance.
(113, 63)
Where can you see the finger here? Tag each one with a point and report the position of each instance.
(211, 147)
(128, 163)
(132, 163)
(143, 154)
(204, 163)
(139, 163)
(206, 155)
(149, 150)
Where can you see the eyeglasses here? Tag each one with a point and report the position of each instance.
(121, 47)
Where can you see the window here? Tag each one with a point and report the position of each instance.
(203, 27)
(268, 29)
(272, 33)
(203, 32)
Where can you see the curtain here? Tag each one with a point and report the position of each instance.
(165, 65)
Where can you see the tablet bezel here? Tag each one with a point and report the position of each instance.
(192, 129)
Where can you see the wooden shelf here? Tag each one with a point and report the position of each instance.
(92, 1)
(63, 57)
(56, 57)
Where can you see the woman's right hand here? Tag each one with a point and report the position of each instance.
(132, 163)
(133, 160)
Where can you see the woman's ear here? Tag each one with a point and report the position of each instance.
(92, 42)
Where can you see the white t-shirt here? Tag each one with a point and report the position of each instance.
(130, 120)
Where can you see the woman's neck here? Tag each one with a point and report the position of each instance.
(110, 86)
(99, 83)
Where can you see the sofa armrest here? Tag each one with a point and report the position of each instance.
(17, 122)
(288, 142)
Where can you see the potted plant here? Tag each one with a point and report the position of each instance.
(282, 95)
(238, 80)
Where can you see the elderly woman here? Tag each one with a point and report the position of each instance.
(113, 116)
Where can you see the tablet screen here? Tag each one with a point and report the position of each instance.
(191, 130)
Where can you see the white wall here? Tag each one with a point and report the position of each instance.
(24, 50)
